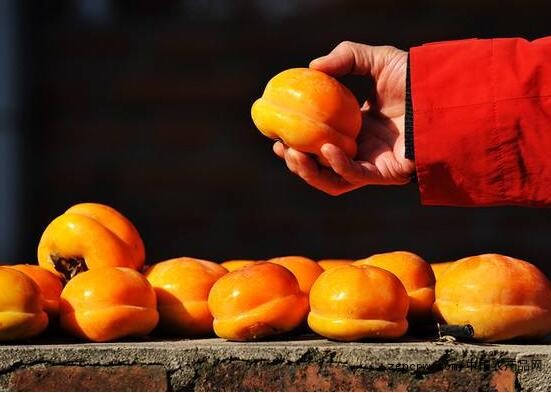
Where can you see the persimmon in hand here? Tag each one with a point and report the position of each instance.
(182, 286)
(380, 157)
(260, 300)
(306, 108)
(90, 235)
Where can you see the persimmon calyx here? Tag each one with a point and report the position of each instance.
(69, 267)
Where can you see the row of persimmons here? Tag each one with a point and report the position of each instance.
(91, 280)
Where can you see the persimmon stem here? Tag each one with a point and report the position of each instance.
(457, 331)
(261, 330)
(69, 267)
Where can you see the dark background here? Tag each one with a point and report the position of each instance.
(144, 106)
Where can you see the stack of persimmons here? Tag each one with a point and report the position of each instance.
(91, 282)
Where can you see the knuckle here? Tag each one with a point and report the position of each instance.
(345, 45)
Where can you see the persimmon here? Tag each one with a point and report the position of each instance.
(235, 264)
(305, 270)
(415, 274)
(350, 303)
(438, 268)
(306, 108)
(500, 297)
(259, 300)
(327, 264)
(21, 306)
(50, 285)
(107, 303)
(90, 235)
(182, 286)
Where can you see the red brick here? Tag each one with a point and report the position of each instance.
(445, 380)
(313, 376)
(503, 381)
(245, 376)
(89, 378)
(248, 376)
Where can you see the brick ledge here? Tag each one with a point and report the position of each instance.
(301, 364)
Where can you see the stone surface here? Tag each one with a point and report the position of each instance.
(306, 363)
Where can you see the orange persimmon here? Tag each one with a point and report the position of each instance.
(305, 270)
(49, 283)
(327, 264)
(90, 235)
(306, 108)
(415, 274)
(107, 303)
(500, 297)
(350, 303)
(259, 300)
(438, 268)
(235, 264)
(21, 306)
(182, 286)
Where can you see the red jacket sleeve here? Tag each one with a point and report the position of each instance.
(482, 121)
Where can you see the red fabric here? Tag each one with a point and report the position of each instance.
(482, 121)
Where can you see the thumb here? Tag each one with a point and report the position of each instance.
(346, 58)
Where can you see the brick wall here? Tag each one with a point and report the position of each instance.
(148, 111)
(307, 364)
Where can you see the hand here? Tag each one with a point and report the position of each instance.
(381, 146)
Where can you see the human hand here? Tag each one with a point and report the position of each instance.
(381, 145)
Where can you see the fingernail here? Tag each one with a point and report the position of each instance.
(317, 60)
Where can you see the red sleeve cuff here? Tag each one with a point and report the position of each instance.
(473, 103)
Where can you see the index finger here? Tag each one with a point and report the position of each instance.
(347, 58)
